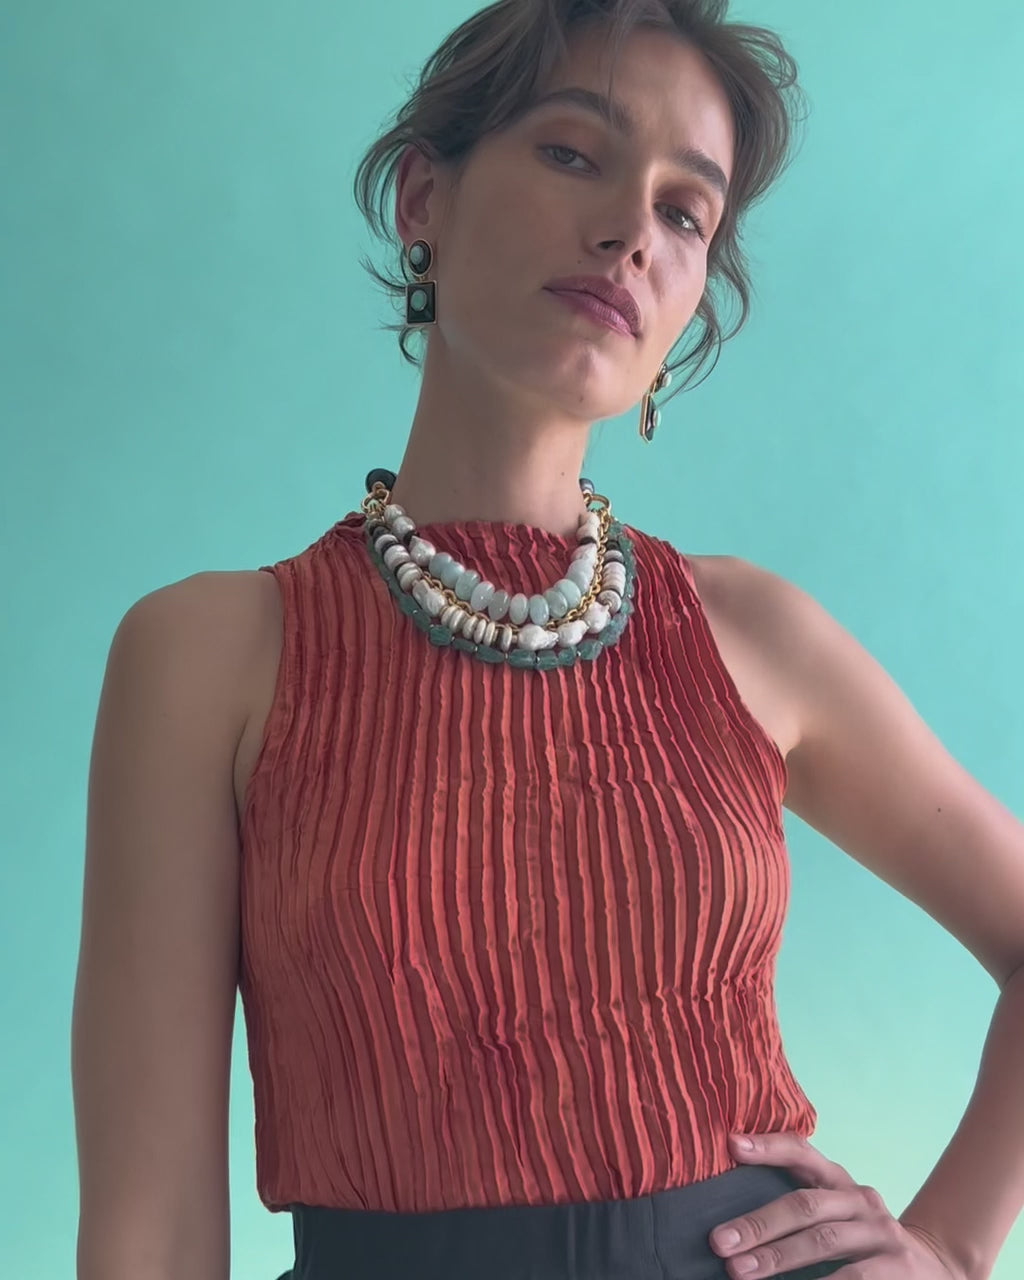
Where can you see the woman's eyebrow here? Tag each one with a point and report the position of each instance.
(616, 115)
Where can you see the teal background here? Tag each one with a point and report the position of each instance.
(192, 377)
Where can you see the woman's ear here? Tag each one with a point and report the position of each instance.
(415, 196)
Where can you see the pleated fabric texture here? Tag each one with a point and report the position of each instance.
(508, 937)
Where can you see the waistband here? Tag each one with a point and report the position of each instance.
(663, 1236)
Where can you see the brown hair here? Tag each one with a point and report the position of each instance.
(487, 72)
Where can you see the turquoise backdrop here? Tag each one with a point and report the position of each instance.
(192, 377)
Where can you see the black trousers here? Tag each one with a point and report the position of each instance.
(658, 1237)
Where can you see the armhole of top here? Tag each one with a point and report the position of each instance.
(740, 709)
(277, 715)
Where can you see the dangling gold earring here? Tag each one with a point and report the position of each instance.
(421, 297)
(650, 416)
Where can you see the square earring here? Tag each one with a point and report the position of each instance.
(421, 297)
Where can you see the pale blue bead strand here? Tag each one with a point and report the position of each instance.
(570, 590)
(579, 576)
(499, 605)
(540, 610)
(451, 573)
(556, 602)
(438, 563)
(465, 584)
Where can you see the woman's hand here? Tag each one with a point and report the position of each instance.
(831, 1218)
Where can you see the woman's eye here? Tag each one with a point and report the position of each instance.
(695, 224)
(695, 227)
(565, 151)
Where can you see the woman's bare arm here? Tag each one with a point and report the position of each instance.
(155, 989)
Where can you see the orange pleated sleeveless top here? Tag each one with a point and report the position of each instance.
(508, 936)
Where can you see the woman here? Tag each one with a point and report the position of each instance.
(524, 1083)
(511, 871)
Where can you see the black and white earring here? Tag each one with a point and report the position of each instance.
(650, 416)
(421, 297)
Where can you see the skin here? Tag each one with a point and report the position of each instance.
(513, 379)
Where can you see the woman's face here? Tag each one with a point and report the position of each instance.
(563, 192)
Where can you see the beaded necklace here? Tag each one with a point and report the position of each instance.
(575, 619)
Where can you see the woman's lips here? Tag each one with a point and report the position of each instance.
(586, 304)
